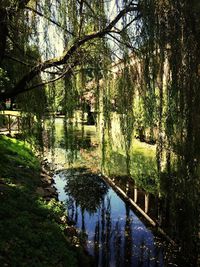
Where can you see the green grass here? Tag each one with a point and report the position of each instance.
(142, 164)
(30, 232)
(18, 164)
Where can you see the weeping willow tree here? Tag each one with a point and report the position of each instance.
(174, 34)
(170, 94)
(79, 23)
(76, 42)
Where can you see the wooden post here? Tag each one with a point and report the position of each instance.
(135, 194)
(146, 209)
(9, 124)
(18, 126)
(127, 187)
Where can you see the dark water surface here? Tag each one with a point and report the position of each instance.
(114, 233)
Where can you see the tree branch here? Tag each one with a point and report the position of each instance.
(49, 81)
(18, 60)
(49, 19)
(67, 55)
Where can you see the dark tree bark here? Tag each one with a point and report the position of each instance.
(3, 32)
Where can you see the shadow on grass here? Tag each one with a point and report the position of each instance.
(31, 233)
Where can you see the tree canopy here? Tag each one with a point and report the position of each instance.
(139, 59)
(162, 36)
(81, 24)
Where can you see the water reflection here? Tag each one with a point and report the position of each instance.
(170, 196)
(115, 235)
(87, 191)
(70, 145)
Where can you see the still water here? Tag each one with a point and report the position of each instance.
(115, 235)
(112, 232)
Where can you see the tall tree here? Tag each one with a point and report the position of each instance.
(81, 35)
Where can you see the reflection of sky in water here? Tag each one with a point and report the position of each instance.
(116, 236)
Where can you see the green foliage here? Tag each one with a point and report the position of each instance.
(30, 229)
(142, 167)
(29, 233)
(85, 189)
(4, 80)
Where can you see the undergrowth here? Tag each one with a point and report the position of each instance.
(30, 230)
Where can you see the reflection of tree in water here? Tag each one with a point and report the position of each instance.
(87, 190)
(180, 207)
(103, 234)
(117, 244)
(106, 234)
(74, 140)
(97, 243)
(114, 244)
(128, 239)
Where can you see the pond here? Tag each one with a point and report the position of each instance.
(115, 233)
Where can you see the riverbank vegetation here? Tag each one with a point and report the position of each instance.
(137, 60)
(31, 230)
(142, 167)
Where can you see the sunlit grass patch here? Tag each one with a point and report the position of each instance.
(18, 150)
(143, 148)
(142, 164)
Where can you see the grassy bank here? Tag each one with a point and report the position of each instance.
(30, 230)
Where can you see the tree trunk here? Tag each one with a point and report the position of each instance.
(3, 32)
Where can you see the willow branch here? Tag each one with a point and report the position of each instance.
(20, 49)
(134, 19)
(125, 43)
(48, 81)
(49, 19)
(67, 55)
(18, 60)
